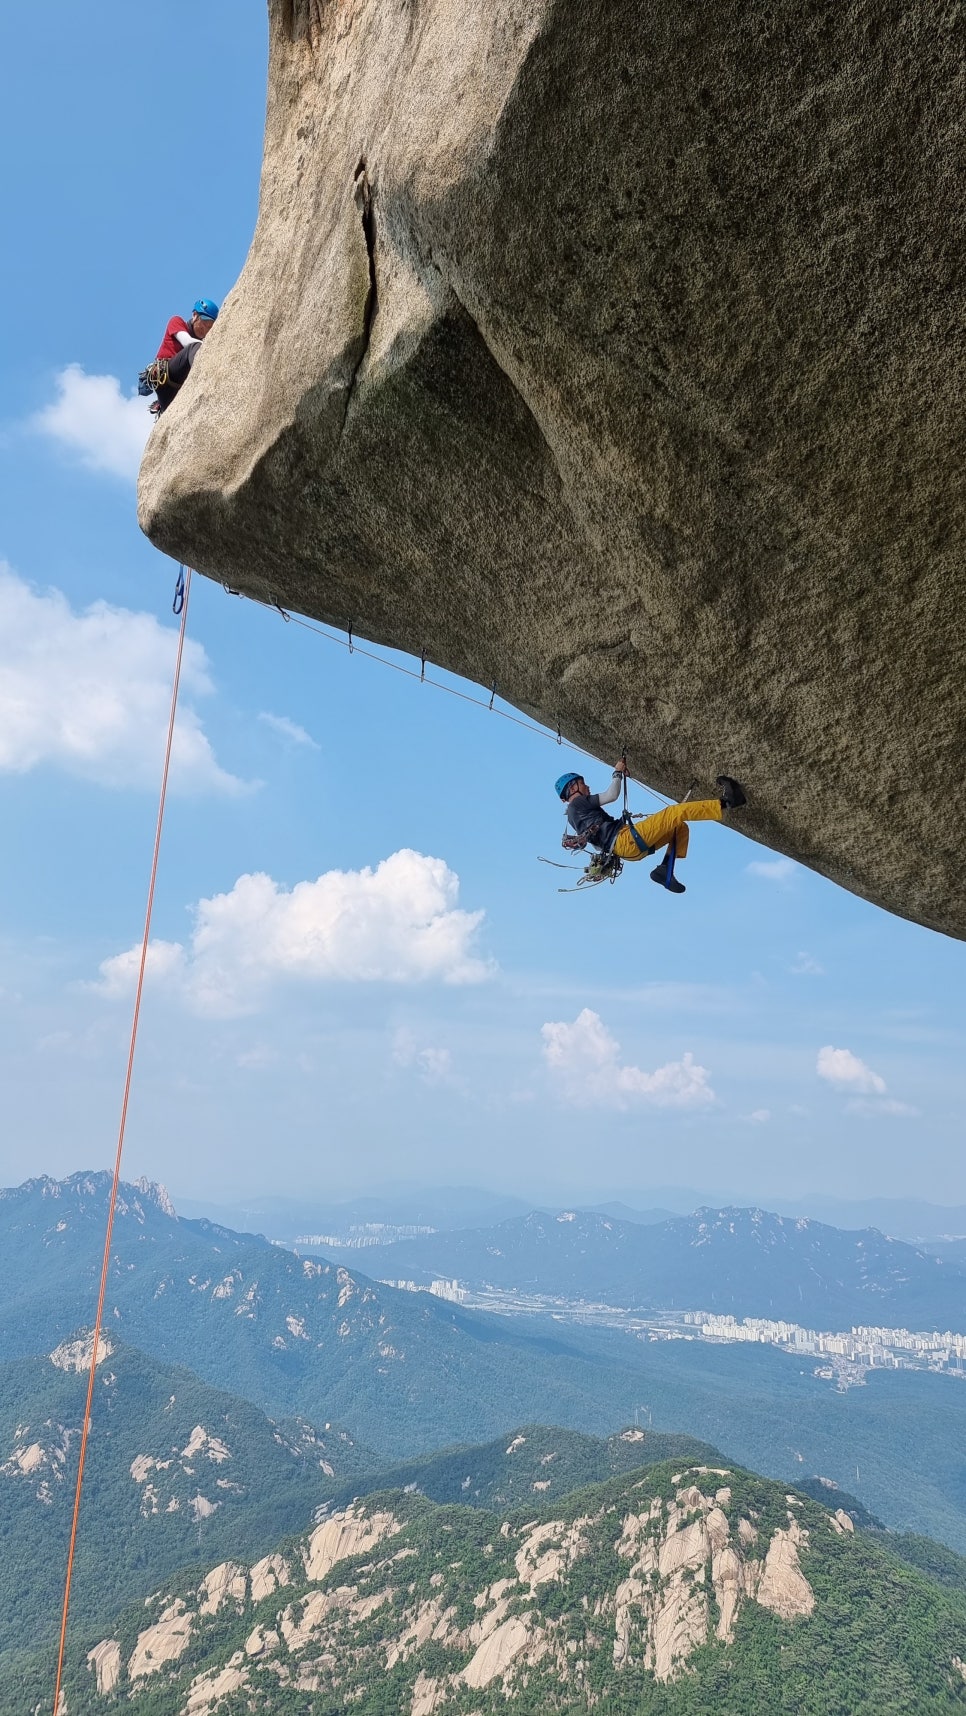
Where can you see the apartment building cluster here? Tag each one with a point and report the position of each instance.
(865, 1345)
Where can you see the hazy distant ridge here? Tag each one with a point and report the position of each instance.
(750, 1263)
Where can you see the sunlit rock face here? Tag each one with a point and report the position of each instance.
(613, 354)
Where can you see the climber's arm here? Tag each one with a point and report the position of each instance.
(614, 790)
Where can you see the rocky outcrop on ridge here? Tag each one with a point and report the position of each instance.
(618, 1590)
(614, 355)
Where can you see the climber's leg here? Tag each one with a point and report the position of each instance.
(167, 375)
(179, 365)
(665, 826)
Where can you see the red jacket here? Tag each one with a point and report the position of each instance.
(170, 346)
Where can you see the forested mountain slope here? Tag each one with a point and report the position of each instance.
(669, 1592)
(407, 1372)
(404, 1371)
(535, 1463)
(176, 1471)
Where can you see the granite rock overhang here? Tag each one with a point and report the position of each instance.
(614, 354)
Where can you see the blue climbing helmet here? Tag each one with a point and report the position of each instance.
(206, 308)
(560, 786)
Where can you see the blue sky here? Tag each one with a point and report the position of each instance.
(363, 974)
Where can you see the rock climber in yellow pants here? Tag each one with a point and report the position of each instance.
(592, 826)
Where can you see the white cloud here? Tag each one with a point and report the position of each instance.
(806, 966)
(398, 923)
(779, 870)
(874, 1106)
(165, 961)
(435, 1066)
(92, 417)
(288, 729)
(90, 693)
(843, 1069)
(760, 1116)
(586, 1060)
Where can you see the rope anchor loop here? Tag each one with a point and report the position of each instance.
(178, 602)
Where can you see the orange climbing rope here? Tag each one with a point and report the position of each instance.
(180, 607)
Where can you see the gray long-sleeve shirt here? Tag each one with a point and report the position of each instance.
(590, 821)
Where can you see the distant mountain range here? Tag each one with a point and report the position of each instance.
(745, 1262)
(281, 1218)
(912, 1219)
(673, 1591)
(295, 1335)
(406, 1372)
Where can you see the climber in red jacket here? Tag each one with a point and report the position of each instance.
(176, 353)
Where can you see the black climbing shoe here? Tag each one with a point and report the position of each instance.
(731, 795)
(673, 886)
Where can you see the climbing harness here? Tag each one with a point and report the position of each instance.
(180, 606)
(606, 866)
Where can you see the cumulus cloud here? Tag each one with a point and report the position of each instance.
(165, 961)
(844, 1070)
(779, 870)
(92, 418)
(865, 1088)
(90, 692)
(399, 923)
(288, 729)
(434, 1065)
(586, 1061)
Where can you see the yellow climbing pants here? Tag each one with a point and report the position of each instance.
(665, 826)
